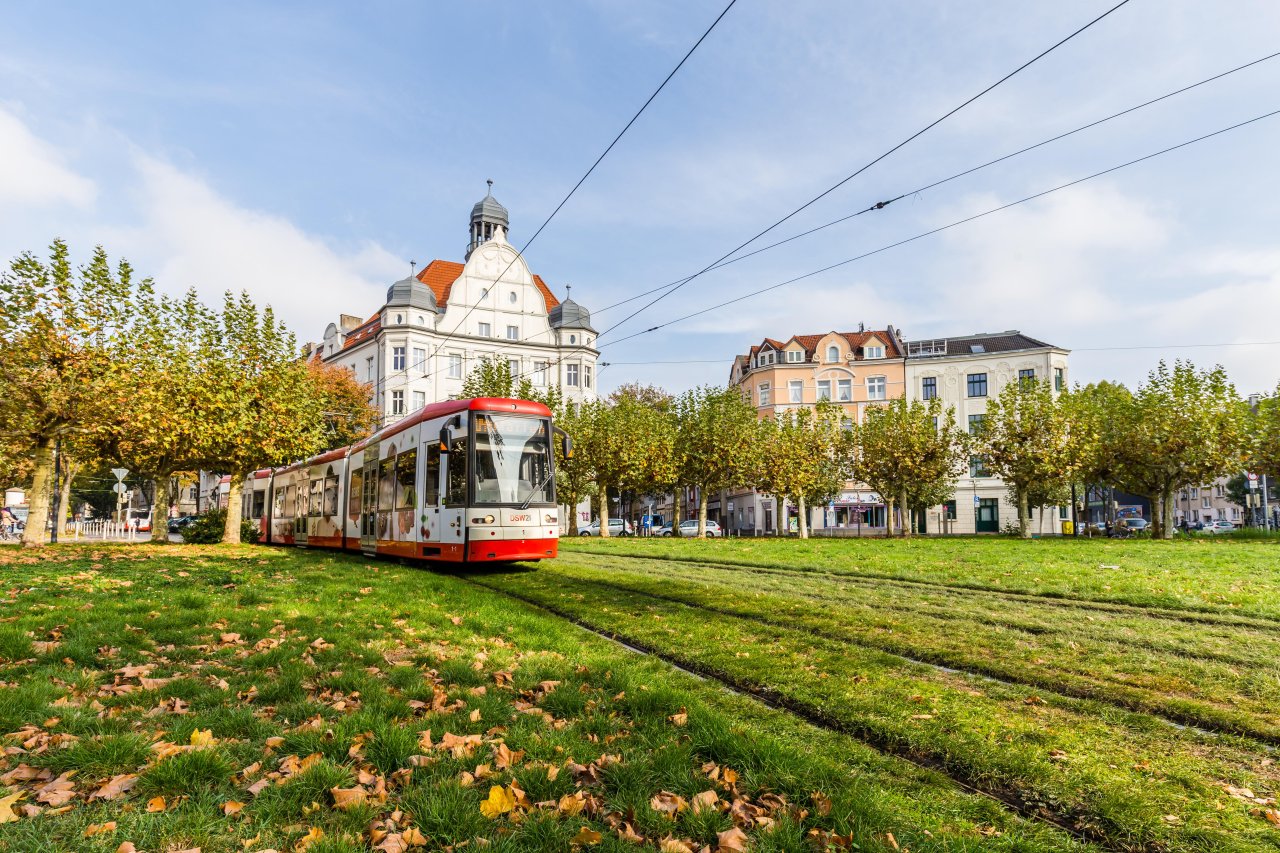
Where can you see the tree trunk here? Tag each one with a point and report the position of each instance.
(41, 485)
(1168, 515)
(888, 517)
(702, 513)
(231, 533)
(604, 512)
(906, 514)
(1024, 515)
(677, 497)
(802, 510)
(572, 529)
(1157, 513)
(160, 509)
(64, 500)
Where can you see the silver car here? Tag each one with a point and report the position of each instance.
(617, 527)
(690, 528)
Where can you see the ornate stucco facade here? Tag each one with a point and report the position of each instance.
(439, 323)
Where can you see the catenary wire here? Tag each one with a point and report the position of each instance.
(520, 253)
(939, 229)
(881, 205)
(865, 167)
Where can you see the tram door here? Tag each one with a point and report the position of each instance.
(369, 502)
(453, 527)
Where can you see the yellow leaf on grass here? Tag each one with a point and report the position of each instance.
(704, 801)
(6, 807)
(587, 835)
(313, 835)
(126, 847)
(673, 845)
(413, 837)
(203, 737)
(231, 808)
(155, 804)
(500, 801)
(99, 828)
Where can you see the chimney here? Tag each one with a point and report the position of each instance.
(347, 322)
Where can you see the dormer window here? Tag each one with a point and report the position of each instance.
(873, 352)
(833, 353)
(795, 356)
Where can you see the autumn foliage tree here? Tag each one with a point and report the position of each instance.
(56, 327)
(911, 452)
(1028, 440)
(346, 404)
(718, 442)
(626, 445)
(1264, 455)
(804, 458)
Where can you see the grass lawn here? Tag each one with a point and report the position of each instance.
(1138, 704)
(173, 698)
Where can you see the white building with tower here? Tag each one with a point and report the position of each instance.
(439, 323)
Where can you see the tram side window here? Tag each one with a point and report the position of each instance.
(259, 504)
(407, 480)
(317, 493)
(456, 494)
(278, 511)
(431, 487)
(331, 496)
(354, 488)
(386, 483)
(300, 500)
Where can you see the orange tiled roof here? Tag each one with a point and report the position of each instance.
(855, 340)
(440, 276)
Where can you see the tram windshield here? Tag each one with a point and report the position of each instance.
(513, 460)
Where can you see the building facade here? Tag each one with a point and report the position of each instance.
(965, 372)
(853, 370)
(439, 323)
(857, 370)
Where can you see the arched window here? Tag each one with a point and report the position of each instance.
(833, 353)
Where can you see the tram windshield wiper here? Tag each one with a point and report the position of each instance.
(537, 489)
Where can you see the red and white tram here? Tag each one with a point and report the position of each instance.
(460, 481)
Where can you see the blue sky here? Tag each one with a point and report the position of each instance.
(307, 151)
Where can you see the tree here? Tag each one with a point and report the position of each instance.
(492, 377)
(627, 445)
(718, 437)
(1027, 438)
(1184, 427)
(575, 479)
(911, 453)
(1100, 415)
(260, 405)
(1264, 428)
(55, 328)
(804, 458)
(346, 404)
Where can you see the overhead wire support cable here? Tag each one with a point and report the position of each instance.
(867, 166)
(883, 204)
(941, 228)
(587, 174)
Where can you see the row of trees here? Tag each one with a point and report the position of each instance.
(1182, 427)
(104, 368)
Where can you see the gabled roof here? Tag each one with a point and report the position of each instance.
(368, 329)
(440, 276)
(854, 339)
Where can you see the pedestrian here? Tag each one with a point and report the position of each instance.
(8, 521)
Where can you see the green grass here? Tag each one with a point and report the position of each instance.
(1201, 574)
(311, 672)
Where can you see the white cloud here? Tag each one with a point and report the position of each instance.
(32, 171)
(188, 235)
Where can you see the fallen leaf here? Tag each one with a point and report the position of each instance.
(313, 835)
(116, 787)
(155, 804)
(231, 808)
(587, 835)
(58, 792)
(500, 801)
(680, 719)
(705, 801)
(99, 828)
(347, 798)
(6, 807)
(203, 737)
(571, 804)
(731, 841)
(668, 804)
(672, 845)
(414, 837)
(393, 843)
(126, 847)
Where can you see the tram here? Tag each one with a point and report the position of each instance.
(462, 481)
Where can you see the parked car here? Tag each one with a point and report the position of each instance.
(177, 523)
(690, 528)
(1136, 525)
(1219, 526)
(617, 527)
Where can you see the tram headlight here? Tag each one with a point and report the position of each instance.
(487, 519)
(550, 518)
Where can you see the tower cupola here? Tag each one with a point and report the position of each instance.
(486, 217)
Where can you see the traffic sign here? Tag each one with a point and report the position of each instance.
(977, 501)
(120, 473)
(120, 487)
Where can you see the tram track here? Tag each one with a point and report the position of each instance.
(929, 609)
(1075, 823)
(1259, 623)
(1267, 740)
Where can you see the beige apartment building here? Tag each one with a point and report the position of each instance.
(853, 370)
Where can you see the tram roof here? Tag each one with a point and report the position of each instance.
(450, 407)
